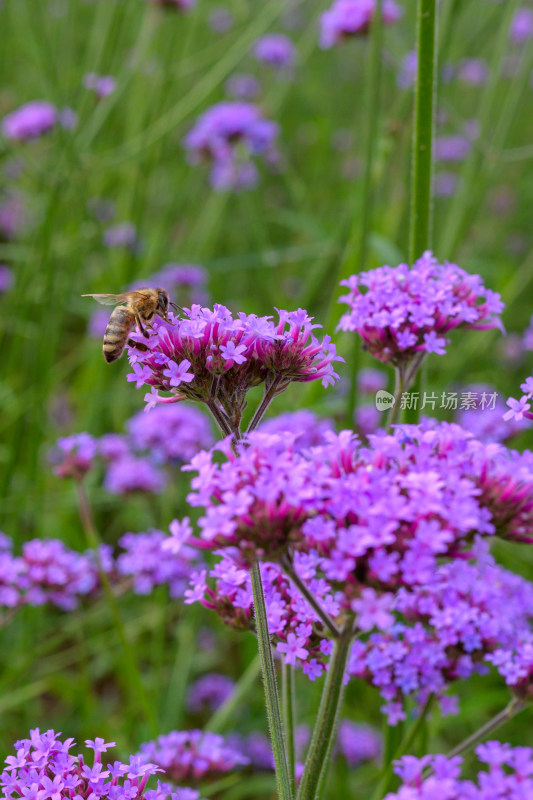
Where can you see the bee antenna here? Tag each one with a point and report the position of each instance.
(176, 308)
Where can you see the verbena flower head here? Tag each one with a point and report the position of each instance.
(401, 312)
(522, 25)
(452, 148)
(172, 434)
(47, 572)
(75, 455)
(147, 563)
(130, 474)
(296, 630)
(209, 692)
(101, 85)
(192, 755)
(481, 412)
(276, 50)
(508, 776)
(305, 427)
(30, 121)
(212, 357)
(229, 136)
(348, 18)
(358, 743)
(44, 768)
(124, 234)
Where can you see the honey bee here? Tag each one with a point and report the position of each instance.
(132, 308)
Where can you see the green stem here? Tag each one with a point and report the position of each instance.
(511, 710)
(275, 725)
(324, 732)
(287, 702)
(224, 714)
(131, 667)
(287, 565)
(399, 389)
(421, 212)
(404, 748)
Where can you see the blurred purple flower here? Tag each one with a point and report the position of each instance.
(192, 755)
(172, 434)
(304, 427)
(209, 692)
(228, 136)
(474, 71)
(130, 474)
(175, 5)
(102, 85)
(276, 50)
(74, 456)
(148, 564)
(358, 743)
(30, 121)
(522, 25)
(348, 18)
(242, 86)
(452, 148)
(122, 235)
(407, 72)
(221, 20)
(445, 184)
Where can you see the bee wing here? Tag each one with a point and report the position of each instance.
(114, 299)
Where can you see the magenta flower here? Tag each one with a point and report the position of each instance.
(518, 408)
(213, 358)
(45, 769)
(522, 25)
(403, 312)
(508, 777)
(348, 18)
(30, 121)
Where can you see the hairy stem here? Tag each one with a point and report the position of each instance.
(325, 730)
(421, 212)
(511, 710)
(287, 701)
(275, 725)
(288, 566)
(268, 396)
(219, 417)
(399, 388)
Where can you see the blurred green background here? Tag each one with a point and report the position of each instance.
(285, 243)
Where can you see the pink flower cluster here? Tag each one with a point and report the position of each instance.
(521, 409)
(43, 768)
(509, 776)
(404, 312)
(211, 357)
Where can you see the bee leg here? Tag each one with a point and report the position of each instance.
(139, 345)
(140, 326)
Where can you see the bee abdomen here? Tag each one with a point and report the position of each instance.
(116, 335)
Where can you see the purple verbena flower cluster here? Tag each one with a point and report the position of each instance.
(47, 572)
(402, 312)
(192, 755)
(348, 18)
(146, 561)
(484, 419)
(305, 427)
(44, 768)
(213, 358)
(74, 456)
(209, 692)
(174, 5)
(295, 626)
(358, 743)
(445, 631)
(172, 434)
(509, 776)
(229, 135)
